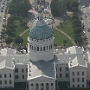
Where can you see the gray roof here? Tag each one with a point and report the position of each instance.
(40, 32)
(65, 58)
(42, 68)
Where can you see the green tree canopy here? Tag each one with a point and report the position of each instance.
(18, 40)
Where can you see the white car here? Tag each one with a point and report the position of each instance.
(83, 6)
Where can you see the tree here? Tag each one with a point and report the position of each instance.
(58, 7)
(64, 41)
(18, 40)
(75, 9)
(8, 40)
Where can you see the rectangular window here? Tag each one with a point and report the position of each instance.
(0, 75)
(67, 75)
(78, 85)
(66, 69)
(5, 82)
(10, 82)
(78, 79)
(0, 82)
(4, 75)
(73, 73)
(73, 80)
(60, 75)
(22, 70)
(37, 48)
(22, 76)
(10, 75)
(16, 70)
(73, 86)
(82, 73)
(82, 85)
(77, 73)
(56, 76)
(16, 76)
(60, 69)
(82, 79)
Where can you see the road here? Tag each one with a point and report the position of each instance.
(86, 12)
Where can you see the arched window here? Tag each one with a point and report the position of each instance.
(40, 48)
(37, 48)
(32, 47)
(43, 48)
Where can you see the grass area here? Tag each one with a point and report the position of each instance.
(24, 36)
(19, 28)
(67, 28)
(59, 37)
(63, 86)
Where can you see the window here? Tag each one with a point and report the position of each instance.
(22, 70)
(47, 47)
(0, 82)
(16, 76)
(73, 73)
(73, 80)
(41, 84)
(82, 79)
(37, 48)
(51, 84)
(16, 70)
(51, 46)
(60, 69)
(4, 75)
(43, 48)
(0, 76)
(82, 73)
(32, 47)
(82, 85)
(5, 82)
(67, 75)
(31, 84)
(78, 85)
(73, 86)
(66, 69)
(22, 76)
(60, 75)
(77, 73)
(10, 75)
(10, 82)
(78, 80)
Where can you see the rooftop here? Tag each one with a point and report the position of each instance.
(42, 68)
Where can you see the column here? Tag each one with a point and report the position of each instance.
(39, 86)
(54, 85)
(49, 86)
(44, 86)
(34, 85)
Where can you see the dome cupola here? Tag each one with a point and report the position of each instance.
(40, 30)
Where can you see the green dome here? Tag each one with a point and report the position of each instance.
(41, 32)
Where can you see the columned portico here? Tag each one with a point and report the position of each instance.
(42, 86)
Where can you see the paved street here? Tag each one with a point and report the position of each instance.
(86, 12)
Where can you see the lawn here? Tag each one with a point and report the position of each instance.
(67, 28)
(25, 36)
(59, 37)
(19, 28)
